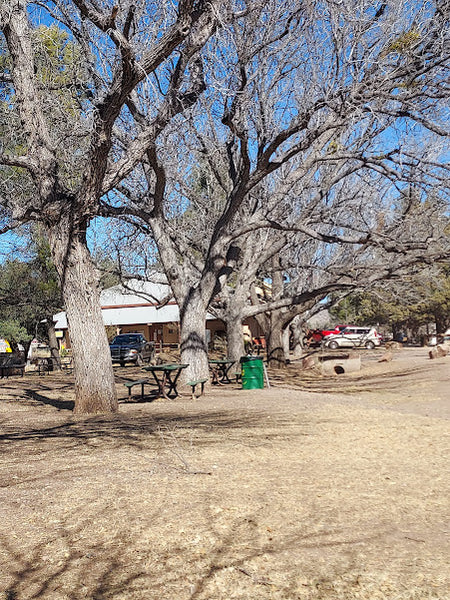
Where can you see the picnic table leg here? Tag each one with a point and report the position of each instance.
(222, 377)
(214, 375)
(217, 374)
(159, 383)
(166, 380)
(226, 369)
(173, 384)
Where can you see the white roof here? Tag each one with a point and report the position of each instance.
(130, 315)
(136, 292)
(139, 305)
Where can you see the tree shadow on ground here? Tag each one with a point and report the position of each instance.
(311, 381)
(71, 562)
(61, 566)
(70, 404)
(59, 404)
(240, 549)
(138, 431)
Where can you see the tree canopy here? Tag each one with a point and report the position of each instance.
(413, 301)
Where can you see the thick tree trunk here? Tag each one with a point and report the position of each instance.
(192, 304)
(235, 339)
(275, 350)
(94, 377)
(194, 351)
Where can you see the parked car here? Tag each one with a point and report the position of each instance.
(131, 347)
(314, 337)
(353, 337)
(335, 331)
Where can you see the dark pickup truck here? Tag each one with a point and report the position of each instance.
(131, 347)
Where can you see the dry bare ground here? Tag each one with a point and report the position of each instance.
(317, 488)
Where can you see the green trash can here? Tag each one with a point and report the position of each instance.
(252, 371)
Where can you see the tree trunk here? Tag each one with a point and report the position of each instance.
(297, 337)
(53, 344)
(194, 351)
(235, 339)
(93, 373)
(441, 323)
(275, 351)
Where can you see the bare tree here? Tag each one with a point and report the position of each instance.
(266, 285)
(333, 99)
(63, 150)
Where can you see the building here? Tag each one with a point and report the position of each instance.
(140, 307)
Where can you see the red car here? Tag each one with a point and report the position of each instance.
(338, 329)
(314, 337)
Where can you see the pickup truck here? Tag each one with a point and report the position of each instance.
(131, 347)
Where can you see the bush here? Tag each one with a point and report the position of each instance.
(14, 333)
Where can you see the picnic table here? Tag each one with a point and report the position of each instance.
(166, 377)
(219, 370)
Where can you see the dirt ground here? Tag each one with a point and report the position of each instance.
(317, 488)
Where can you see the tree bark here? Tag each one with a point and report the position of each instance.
(235, 339)
(275, 350)
(276, 320)
(94, 377)
(194, 351)
(441, 323)
(297, 337)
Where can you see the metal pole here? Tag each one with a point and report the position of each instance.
(266, 376)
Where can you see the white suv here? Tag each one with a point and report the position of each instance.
(353, 337)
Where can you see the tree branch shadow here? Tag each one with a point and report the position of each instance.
(138, 431)
(59, 404)
(92, 568)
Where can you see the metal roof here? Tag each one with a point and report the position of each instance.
(136, 292)
(139, 306)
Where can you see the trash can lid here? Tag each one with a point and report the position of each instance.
(249, 358)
